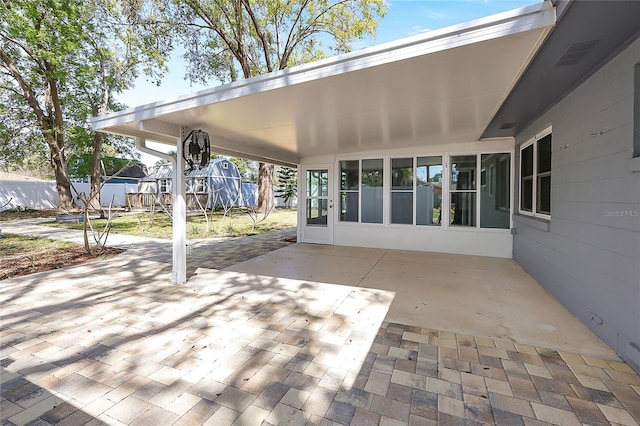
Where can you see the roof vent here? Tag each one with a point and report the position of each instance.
(507, 126)
(574, 53)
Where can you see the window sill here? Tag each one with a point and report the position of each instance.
(633, 165)
(459, 228)
(533, 222)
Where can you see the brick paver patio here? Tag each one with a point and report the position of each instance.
(113, 343)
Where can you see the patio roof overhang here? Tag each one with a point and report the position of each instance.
(434, 88)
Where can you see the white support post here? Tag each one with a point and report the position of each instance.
(179, 271)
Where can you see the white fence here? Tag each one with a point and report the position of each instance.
(43, 195)
(115, 191)
(31, 195)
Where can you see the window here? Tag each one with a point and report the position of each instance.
(200, 185)
(503, 180)
(372, 190)
(492, 179)
(349, 191)
(402, 190)
(317, 197)
(478, 190)
(361, 190)
(535, 177)
(495, 196)
(462, 190)
(165, 185)
(428, 190)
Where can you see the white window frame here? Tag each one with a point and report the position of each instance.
(200, 185)
(446, 190)
(534, 202)
(392, 191)
(415, 190)
(475, 191)
(497, 190)
(384, 183)
(340, 190)
(164, 185)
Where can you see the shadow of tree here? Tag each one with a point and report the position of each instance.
(229, 339)
(21, 395)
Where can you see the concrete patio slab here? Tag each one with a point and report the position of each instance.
(473, 295)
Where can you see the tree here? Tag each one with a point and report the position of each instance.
(287, 184)
(37, 39)
(231, 39)
(248, 169)
(61, 62)
(21, 147)
(121, 45)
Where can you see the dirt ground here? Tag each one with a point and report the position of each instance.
(26, 264)
(28, 214)
(45, 260)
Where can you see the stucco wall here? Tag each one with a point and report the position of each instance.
(588, 255)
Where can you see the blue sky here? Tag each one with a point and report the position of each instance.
(404, 18)
(409, 17)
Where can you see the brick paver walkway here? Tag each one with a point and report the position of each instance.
(113, 343)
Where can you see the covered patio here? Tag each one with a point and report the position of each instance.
(325, 334)
(435, 91)
(472, 295)
(306, 334)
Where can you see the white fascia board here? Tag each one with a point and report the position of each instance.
(537, 16)
(135, 132)
(160, 128)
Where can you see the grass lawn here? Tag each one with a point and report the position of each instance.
(23, 255)
(11, 244)
(159, 225)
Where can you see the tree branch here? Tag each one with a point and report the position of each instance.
(307, 31)
(287, 52)
(55, 99)
(27, 89)
(25, 49)
(261, 36)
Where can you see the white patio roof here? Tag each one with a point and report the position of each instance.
(438, 87)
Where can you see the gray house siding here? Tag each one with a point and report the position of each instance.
(588, 254)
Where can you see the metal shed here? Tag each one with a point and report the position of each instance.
(217, 185)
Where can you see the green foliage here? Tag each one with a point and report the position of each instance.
(287, 184)
(80, 165)
(233, 224)
(227, 40)
(12, 244)
(230, 39)
(38, 45)
(248, 169)
(62, 61)
(372, 178)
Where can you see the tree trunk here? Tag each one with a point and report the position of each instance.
(63, 184)
(95, 171)
(265, 187)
